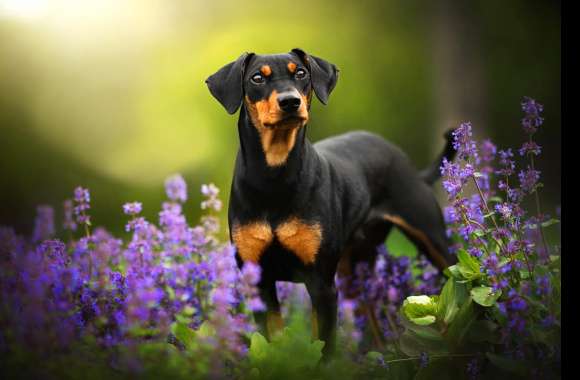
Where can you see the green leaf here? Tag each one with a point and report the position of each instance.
(453, 271)
(447, 305)
(290, 354)
(485, 296)
(519, 367)
(484, 331)
(550, 222)
(468, 265)
(412, 344)
(420, 309)
(184, 334)
(453, 295)
(462, 323)
(205, 330)
(424, 321)
(258, 348)
(170, 292)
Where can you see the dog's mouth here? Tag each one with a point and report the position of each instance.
(287, 122)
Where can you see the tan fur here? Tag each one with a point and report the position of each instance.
(277, 136)
(314, 322)
(266, 70)
(274, 323)
(292, 67)
(300, 238)
(419, 235)
(252, 239)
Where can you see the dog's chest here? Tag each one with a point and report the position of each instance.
(301, 238)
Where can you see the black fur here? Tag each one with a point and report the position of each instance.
(345, 183)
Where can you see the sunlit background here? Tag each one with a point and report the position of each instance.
(110, 94)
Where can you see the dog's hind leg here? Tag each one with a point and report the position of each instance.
(430, 241)
(364, 251)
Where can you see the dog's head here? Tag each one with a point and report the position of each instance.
(276, 91)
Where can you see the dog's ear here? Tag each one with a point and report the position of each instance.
(323, 74)
(226, 84)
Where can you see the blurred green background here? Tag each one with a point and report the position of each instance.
(110, 94)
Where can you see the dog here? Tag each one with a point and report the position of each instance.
(304, 211)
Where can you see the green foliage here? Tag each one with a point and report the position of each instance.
(420, 309)
(485, 296)
(291, 354)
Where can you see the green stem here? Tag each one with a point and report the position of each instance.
(412, 358)
(538, 209)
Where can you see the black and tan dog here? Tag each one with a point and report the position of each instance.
(302, 210)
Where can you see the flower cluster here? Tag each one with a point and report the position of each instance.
(167, 278)
(506, 242)
(372, 296)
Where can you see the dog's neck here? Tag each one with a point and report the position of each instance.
(255, 170)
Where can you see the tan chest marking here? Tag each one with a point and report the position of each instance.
(300, 238)
(252, 239)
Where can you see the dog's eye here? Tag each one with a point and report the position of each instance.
(257, 78)
(300, 74)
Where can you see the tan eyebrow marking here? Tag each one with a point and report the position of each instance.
(291, 67)
(266, 70)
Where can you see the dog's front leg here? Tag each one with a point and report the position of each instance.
(269, 321)
(325, 307)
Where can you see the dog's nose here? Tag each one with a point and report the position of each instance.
(289, 102)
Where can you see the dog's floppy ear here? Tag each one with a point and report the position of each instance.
(323, 74)
(226, 84)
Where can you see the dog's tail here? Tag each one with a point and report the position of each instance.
(432, 173)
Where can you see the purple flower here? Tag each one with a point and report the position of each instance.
(69, 223)
(454, 177)
(450, 215)
(43, 224)
(549, 321)
(490, 264)
(82, 200)
(507, 164)
(543, 286)
(505, 210)
(250, 277)
(176, 188)
(82, 195)
(472, 369)
(132, 208)
(528, 179)
(516, 302)
(210, 191)
(463, 142)
(488, 150)
(392, 294)
(532, 119)
(423, 360)
(251, 273)
(475, 252)
(530, 147)
(212, 202)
